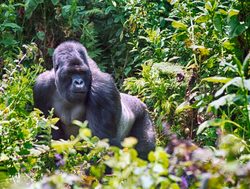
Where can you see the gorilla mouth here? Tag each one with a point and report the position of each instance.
(79, 91)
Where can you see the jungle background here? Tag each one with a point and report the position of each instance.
(187, 60)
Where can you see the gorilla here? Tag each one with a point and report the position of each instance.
(78, 90)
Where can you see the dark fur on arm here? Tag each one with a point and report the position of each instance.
(104, 106)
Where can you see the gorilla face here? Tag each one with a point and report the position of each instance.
(72, 77)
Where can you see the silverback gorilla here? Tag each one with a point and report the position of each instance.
(78, 90)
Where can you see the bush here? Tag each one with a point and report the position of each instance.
(192, 60)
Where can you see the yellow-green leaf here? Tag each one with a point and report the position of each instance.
(233, 12)
(54, 120)
(62, 145)
(203, 50)
(174, 186)
(228, 45)
(85, 132)
(179, 25)
(201, 18)
(217, 79)
(222, 11)
(209, 6)
(129, 142)
(183, 106)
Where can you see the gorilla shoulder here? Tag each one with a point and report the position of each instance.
(43, 90)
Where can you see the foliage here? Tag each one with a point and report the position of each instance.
(18, 126)
(213, 56)
(233, 95)
(191, 60)
(9, 26)
(162, 87)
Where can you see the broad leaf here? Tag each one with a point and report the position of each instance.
(12, 26)
(201, 19)
(183, 106)
(217, 22)
(40, 35)
(235, 27)
(235, 81)
(206, 124)
(55, 2)
(227, 99)
(30, 6)
(233, 12)
(179, 25)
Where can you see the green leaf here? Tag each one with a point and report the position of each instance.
(203, 50)
(172, 2)
(174, 186)
(85, 132)
(217, 79)
(175, 178)
(227, 99)
(114, 3)
(129, 142)
(54, 2)
(12, 26)
(233, 12)
(151, 157)
(183, 106)
(50, 51)
(238, 82)
(40, 35)
(203, 126)
(30, 6)
(239, 65)
(217, 22)
(66, 10)
(201, 19)
(109, 9)
(235, 81)
(208, 6)
(179, 25)
(228, 45)
(221, 11)
(3, 157)
(8, 41)
(147, 181)
(62, 145)
(235, 27)
(206, 124)
(245, 65)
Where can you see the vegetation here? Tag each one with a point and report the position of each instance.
(187, 60)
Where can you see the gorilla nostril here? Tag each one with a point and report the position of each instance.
(78, 82)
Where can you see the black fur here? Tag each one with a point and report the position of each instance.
(110, 114)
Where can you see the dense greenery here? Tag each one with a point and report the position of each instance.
(187, 60)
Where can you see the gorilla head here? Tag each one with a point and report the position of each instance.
(78, 90)
(72, 74)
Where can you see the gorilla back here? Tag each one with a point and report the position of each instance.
(78, 90)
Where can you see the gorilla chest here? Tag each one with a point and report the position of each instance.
(68, 113)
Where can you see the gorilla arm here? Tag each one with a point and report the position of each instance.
(115, 115)
(104, 107)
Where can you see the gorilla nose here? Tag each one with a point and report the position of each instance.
(78, 82)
